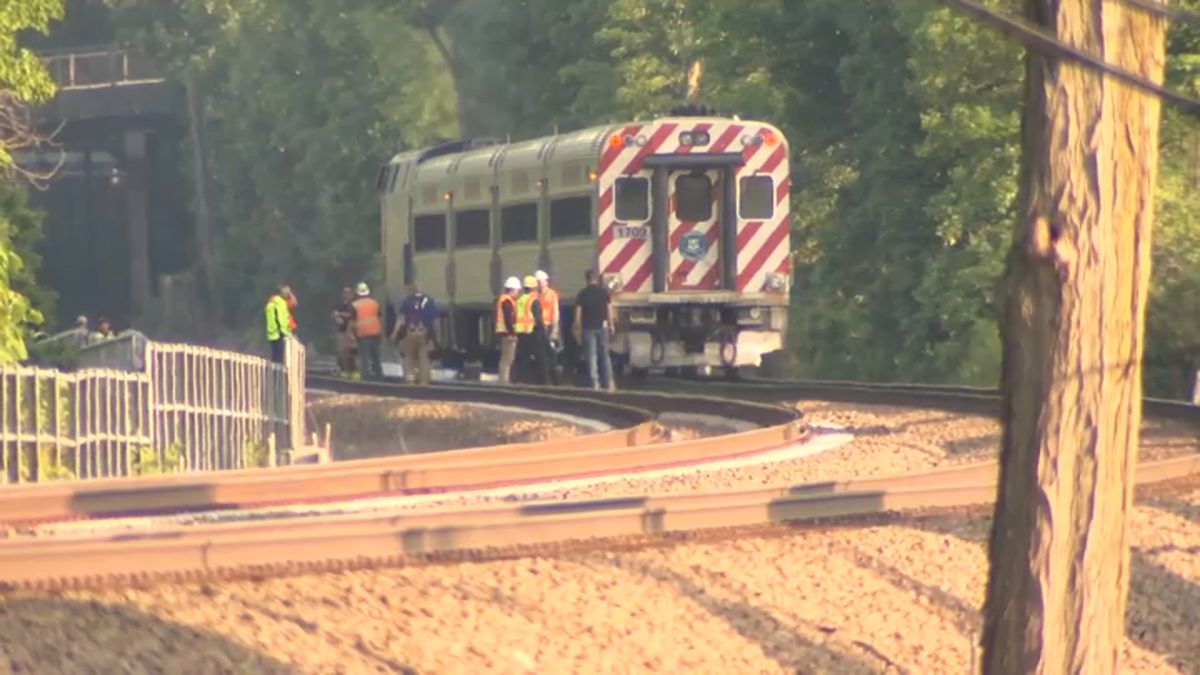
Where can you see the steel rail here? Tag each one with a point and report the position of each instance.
(235, 548)
(633, 446)
(227, 549)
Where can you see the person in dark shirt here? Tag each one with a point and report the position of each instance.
(414, 331)
(347, 344)
(593, 325)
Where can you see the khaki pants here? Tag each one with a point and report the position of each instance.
(414, 349)
(508, 354)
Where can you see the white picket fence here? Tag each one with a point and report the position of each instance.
(138, 407)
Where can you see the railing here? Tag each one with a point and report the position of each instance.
(100, 68)
(154, 408)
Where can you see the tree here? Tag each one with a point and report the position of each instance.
(23, 81)
(1074, 293)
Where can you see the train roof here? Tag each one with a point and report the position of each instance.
(571, 145)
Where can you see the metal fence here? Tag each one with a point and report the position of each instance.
(100, 67)
(151, 408)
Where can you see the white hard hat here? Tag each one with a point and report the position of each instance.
(363, 289)
(512, 284)
(541, 276)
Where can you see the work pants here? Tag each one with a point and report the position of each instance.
(279, 349)
(547, 373)
(599, 362)
(523, 365)
(369, 364)
(508, 354)
(347, 354)
(414, 349)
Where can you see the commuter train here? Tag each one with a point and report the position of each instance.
(684, 218)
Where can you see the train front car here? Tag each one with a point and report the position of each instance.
(694, 241)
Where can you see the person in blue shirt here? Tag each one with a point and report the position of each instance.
(414, 332)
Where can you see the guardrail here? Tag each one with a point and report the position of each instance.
(100, 68)
(150, 408)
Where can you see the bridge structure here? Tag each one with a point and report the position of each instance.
(117, 213)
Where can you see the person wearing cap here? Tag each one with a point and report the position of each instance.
(414, 332)
(506, 326)
(368, 331)
(549, 299)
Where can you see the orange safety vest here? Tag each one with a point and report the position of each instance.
(500, 327)
(292, 314)
(525, 323)
(366, 318)
(550, 307)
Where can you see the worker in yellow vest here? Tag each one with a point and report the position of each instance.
(546, 346)
(279, 321)
(506, 327)
(529, 317)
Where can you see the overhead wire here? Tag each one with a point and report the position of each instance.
(1038, 40)
(1166, 11)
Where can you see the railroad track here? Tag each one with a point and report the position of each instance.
(228, 549)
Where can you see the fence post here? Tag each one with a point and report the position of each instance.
(1196, 389)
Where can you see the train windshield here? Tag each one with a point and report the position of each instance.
(633, 198)
(757, 198)
(693, 197)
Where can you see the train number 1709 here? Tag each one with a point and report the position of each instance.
(625, 232)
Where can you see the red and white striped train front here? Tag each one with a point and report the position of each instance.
(694, 240)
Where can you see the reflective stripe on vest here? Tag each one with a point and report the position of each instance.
(549, 299)
(500, 302)
(524, 323)
(366, 318)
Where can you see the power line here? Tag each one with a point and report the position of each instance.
(1040, 41)
(1166, 11)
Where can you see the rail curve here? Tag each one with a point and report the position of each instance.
(635, 442)
(231, 549)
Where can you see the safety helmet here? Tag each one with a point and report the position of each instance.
(512, 284)
(530, 281)
(541, 276)
(363, 289)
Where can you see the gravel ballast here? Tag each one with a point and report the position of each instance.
(903, 595)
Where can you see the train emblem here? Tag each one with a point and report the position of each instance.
(693, 245)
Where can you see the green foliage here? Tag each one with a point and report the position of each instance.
(23, 80)
(257, 455)
(902, 117)
(150, 462)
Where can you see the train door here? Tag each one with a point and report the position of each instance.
(693, 230)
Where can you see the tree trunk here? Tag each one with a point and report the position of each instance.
(204, 237)
(1074, 294)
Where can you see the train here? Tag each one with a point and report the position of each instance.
(685, 219)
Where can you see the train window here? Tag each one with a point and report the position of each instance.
(472, 228)
(518, 223)
(757, 200)
(392, 181)
(693, 197)
(633, 199)
(570, 217)
(382, 176)
(429, 232)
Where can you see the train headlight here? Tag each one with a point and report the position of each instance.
(640, 140)
(776, 282)
(612, 282)
(752, 315)
(685, 138)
